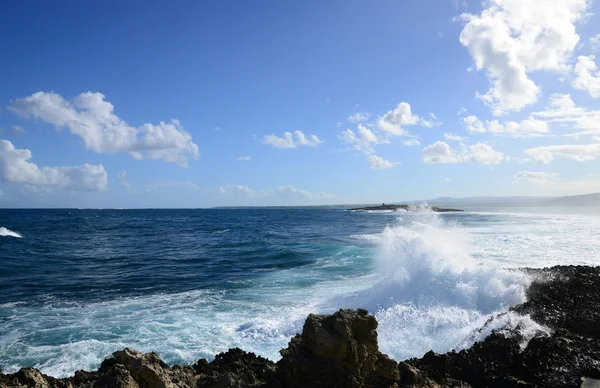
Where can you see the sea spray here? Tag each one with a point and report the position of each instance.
(428, 290)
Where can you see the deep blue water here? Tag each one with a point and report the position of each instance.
(76, 285)
(99, 254)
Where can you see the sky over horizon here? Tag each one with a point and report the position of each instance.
(199, 104)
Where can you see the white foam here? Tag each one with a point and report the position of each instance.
(8, 233)
(427, 290)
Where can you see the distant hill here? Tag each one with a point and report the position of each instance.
(576, 200)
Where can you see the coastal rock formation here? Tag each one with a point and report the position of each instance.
(336, 350)
(341, 350)
(566, 299)
(383, 206)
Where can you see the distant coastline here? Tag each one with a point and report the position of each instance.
(384, 207)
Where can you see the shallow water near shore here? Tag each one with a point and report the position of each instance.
(77, 285)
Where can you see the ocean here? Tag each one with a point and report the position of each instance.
(76, 285)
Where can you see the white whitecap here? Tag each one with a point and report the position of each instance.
(8, 233)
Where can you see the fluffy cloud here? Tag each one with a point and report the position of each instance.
(391, 124)
(244, 158)
(451, 136)
(15, 168)
(578, 152)
(289, 140)
(358, 117)
(511, 38)
(441, 152)
(587, 76)
(526, 128)
(91, 117)
(562, 110)
(363, 140)
(394, 121)
(378, 163)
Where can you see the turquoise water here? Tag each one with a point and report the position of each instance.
(77, 285)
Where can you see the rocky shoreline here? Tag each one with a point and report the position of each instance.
(341, 350)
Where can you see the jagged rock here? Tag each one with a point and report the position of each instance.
(234, 368)
(149, 371)
(565, 297)
(338, 350)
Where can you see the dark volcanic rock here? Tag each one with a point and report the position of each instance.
(338, 350)
(567, 299)
(235, 368)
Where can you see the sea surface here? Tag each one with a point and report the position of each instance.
(76, 285)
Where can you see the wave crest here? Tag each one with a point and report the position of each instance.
(8, 233)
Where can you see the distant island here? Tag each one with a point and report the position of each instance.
(383, 206)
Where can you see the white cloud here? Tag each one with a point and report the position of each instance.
(411, 142)
(587, 76)
(526, 128)
(432, 122)
(461, 111)
(578, 152)
(446, 180)
(451, 136)
(289, 140)
(562, 110)
(474, 125)
(91, 117)
(538, 178)
(15, 168)
(482, 153)
(363, 140)
(358, 117)
(378, 163)
(552, 183)
(394, 121)
(595, 42)
(511, 38)
(218, 129)
(441, 152)
(244, 158)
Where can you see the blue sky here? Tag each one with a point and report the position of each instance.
(187, 104)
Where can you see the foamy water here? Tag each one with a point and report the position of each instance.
(8, 233)
(433, 281)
